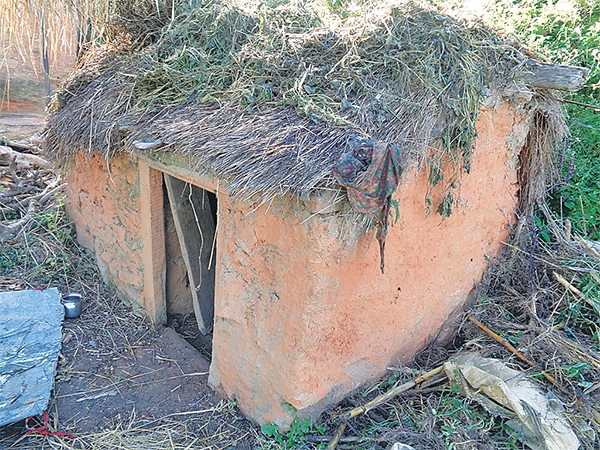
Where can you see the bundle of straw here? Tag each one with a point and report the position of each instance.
(402, 74)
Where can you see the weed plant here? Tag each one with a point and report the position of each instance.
(295, 438)
(46, 254)
(567, 32)
(578, 199)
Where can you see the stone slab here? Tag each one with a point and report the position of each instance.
(30, 341)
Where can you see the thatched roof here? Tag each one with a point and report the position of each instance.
(269, 99)
(271, 150)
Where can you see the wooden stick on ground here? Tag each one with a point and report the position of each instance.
(10, 231)
(22, 160)
(336, 437)
(383, 398)
(7, 142)
(547, 376)
(589, 245)
(568, 285)
(514, 351)
(575, 291)
(379, 400)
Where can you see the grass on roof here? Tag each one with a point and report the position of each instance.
(401, 73)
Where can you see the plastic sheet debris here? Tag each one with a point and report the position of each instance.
(505, 392)
(30, 341)
(400, 446)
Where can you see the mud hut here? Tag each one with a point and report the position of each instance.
(322, 197)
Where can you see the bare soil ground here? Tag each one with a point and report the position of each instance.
(20, 125)
(121, 379)
(119, 369)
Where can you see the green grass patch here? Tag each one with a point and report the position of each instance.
(567, 32)
(579, 198)
(296, 436)
(46, 254)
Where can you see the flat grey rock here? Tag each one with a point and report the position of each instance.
(30, 341)
(148, 144)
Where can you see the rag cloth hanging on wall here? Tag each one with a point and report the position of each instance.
(371, 174)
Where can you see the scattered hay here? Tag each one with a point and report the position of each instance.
(135, 22)
(539, 167)
(136, 433)
(269, 97)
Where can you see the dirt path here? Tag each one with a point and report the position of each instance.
(22, 124)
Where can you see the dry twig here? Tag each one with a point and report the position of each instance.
(379, 400)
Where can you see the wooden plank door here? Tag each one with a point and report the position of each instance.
(195, 225)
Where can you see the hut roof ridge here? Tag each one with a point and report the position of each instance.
(268, 99)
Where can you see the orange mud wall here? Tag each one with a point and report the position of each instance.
(302, 319)
(103, 201)
(303, 315)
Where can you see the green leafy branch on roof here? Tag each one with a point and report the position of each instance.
(289, 56)
(401, 74)
(353, 74)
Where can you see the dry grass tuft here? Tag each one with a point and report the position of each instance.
(539, 167)
(269, 97)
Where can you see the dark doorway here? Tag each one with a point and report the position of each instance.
(190, 250)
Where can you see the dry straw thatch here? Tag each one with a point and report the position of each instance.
(269, 97)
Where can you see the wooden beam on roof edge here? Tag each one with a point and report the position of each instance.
(552, 76)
